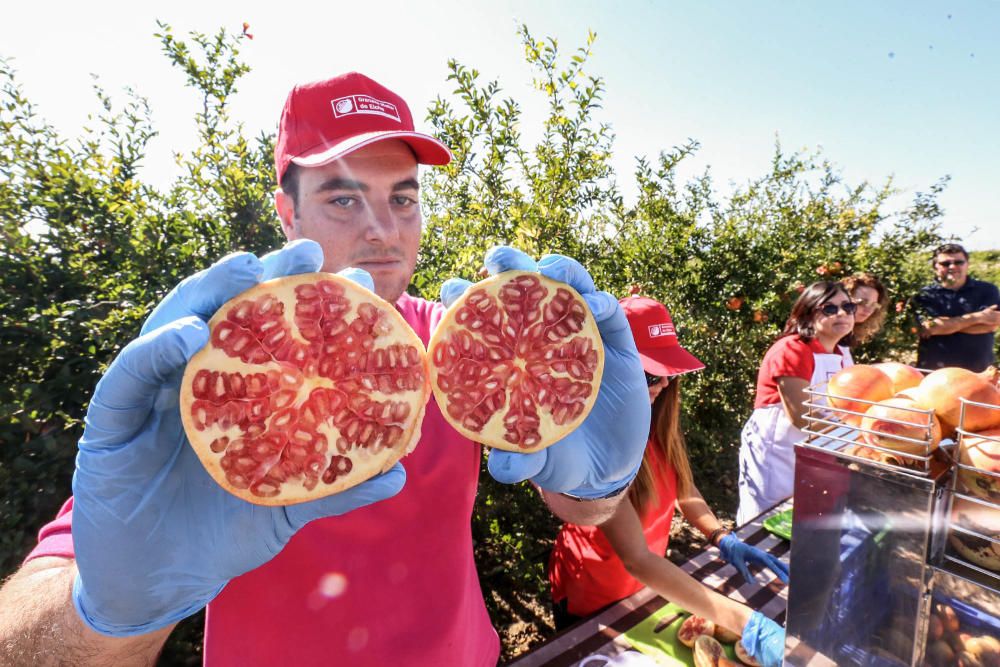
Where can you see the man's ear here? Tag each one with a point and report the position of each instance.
(285, 206)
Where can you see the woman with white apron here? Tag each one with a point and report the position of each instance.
(812, 347)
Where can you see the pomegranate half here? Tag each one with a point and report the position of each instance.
(309, 385)
(982, 520)
(694, 627)
(516, 362)
(981, 451)
(743, 656)
(708, 652)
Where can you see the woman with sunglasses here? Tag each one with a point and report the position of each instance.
(871, 298)
(592, 567)
(812, 347)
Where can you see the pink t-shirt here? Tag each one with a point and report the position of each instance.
(789, 356)
(393, 583)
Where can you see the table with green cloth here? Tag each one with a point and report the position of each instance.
(629, 623)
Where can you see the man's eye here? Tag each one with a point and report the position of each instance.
(342, 201)
(403, 200)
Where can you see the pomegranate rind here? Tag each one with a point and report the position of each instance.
(743, 656)
(382, 328)
(855, 388)
(708, 652)
(482, 354)
(903, 377)
(981, 451)
(881, 426)
(725, 636)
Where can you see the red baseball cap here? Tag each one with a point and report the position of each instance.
(325, 120)
(653, 329)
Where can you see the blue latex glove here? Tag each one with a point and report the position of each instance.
(739, 554)
(604, 453)
(764, 640)
(155, 537)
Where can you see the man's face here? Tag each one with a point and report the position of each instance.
(951, 269)
(364, 210)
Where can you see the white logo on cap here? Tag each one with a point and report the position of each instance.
(660, 330)
(364, 104)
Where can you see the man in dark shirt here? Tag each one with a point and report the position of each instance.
(958, 315)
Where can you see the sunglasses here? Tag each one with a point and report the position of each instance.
(948, 263)
(830, 309)
(654, 379)
(861, 303)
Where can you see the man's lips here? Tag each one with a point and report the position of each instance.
(377, 264)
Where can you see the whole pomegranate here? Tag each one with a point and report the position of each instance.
(982, 452)
(309, 385)
(903, 377)
(516, 362)
(856, 388)
(888, 422)
(943, 390)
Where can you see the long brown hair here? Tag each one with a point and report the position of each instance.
(665, 434)
(865, 331)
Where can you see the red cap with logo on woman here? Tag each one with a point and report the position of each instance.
(655, 336)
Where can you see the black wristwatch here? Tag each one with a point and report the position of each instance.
(613, 494)
(717, 533)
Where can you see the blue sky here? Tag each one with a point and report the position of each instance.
(907, 89)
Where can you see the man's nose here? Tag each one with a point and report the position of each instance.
(381, 225)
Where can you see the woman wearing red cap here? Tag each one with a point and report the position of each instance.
(592, 567)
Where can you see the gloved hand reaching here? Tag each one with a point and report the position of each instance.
(739, 554)
(155, 537)
(604, 453)
(764, 640)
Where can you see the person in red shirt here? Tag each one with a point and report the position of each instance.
(594, 566)
(812, 347)
(379, 574)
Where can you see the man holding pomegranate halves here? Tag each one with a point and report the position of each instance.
(958, 315)
(380, 574)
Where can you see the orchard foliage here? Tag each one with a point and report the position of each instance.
(728, 268)
(90, 247)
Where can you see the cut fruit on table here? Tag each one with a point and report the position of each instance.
(663, 645)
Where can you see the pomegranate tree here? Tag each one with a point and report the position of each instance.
(309, 385)
(516, 362)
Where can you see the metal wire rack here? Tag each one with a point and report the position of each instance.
(972, 522)
(844, 432)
